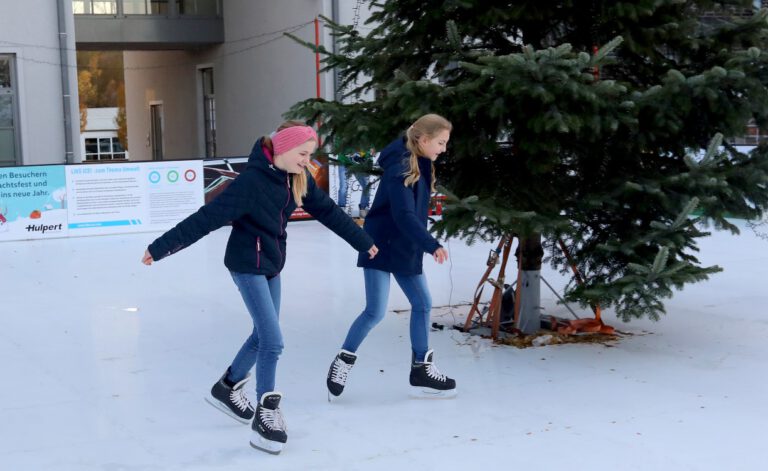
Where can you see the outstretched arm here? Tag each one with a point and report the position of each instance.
(232, 203)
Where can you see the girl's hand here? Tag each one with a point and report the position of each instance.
(440, 255)
(373, 251)
(147, 259)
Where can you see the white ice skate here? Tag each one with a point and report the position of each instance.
(268, 425)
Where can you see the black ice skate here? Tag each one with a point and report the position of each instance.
(337, 373)
(231, 400)
(268, 425)
(428, 382)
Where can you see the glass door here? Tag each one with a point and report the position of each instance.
(156, 130)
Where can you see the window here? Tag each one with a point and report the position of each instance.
(9, 129)
(103, 148)
(198, 7)
(211, 8)
(135, 7)
(159, 7)
(752, 135)
(94, 7)
(145, 7)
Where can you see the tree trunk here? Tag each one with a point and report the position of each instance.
(529, 289)
(532, 253)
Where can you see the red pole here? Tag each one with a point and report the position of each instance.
(317, 69)
(596, 69)
(317, 55)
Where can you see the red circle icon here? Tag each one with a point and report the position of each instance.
(190, 175)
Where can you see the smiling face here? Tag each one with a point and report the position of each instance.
(432, 147)
(296, 159)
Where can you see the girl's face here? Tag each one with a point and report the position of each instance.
(434, 146)
(296, 159)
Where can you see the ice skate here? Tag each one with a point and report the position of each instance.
(268, 424)
(338, 371)
(231, 400)
(428, 382)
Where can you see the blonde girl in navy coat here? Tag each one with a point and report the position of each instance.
(397, 222)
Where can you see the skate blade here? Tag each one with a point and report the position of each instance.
(418, 392)
(221, 407)
(332, 396)
(260, 443)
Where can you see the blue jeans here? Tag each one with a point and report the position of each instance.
(264, 345)
(376, 295)
(362, 179)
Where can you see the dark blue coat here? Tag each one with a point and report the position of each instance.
(397, 220)
(258, 203)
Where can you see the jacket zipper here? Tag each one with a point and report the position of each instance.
(258, 252)
(287, 200)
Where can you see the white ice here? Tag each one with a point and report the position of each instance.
(105, 363)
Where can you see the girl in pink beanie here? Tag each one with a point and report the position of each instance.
(258, 203)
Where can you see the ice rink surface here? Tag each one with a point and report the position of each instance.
(105, 363)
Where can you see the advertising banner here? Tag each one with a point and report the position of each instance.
(120, 198)
(33, 202)
(95, 199)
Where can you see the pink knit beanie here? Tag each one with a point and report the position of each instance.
(288, 138)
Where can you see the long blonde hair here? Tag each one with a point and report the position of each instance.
(429, 125)
(298, 180)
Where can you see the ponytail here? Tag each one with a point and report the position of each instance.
(428, 125)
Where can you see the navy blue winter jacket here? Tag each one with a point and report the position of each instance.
(397, 220)
(258, 203)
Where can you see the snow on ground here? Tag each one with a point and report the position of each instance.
(105, 363)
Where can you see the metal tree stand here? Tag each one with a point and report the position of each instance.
(527, 318)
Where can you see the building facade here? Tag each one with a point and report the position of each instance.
(216, 101)
(202, 78)
(38, 83)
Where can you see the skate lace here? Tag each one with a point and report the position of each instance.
(434, 373)
(239, 399)
(272, 418)
(340, 371)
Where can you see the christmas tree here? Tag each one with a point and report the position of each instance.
(600, 126)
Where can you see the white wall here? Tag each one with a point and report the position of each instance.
(168, 77)
(29, 29)
(256, 81)
(101, 119)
